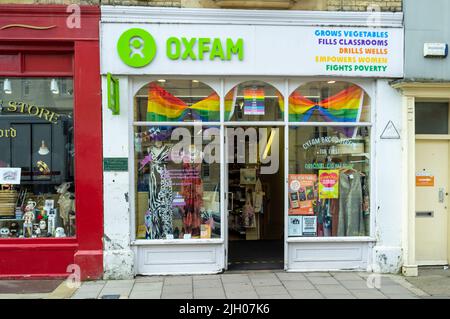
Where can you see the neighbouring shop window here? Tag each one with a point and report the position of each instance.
(432, 117)
(37, 195)
(177, 101)
(329, 101)
(328, 181)
(253, 101)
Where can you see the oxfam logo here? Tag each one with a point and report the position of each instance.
(136, 47)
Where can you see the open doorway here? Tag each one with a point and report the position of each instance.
(255, 182)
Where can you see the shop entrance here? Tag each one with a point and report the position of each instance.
(255, 197)
(432, 167)
(432, 182)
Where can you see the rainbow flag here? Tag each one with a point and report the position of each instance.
(164, 107)
(345, 106)
(254, 101)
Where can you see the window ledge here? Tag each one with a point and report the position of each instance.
(331, 240)
(158, 242)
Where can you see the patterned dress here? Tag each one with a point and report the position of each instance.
(158, 219)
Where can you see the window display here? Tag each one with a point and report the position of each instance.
(37, 195)
(177, 167)
(329, 181)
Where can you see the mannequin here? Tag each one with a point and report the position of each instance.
(158, 219)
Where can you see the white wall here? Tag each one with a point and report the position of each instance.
(118, 256)
(387, 253)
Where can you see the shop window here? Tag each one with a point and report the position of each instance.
(177, 101)
(329, 178)
(329, 101)
(432, 117)
(37, 196)
(177, 182)
(253, 101)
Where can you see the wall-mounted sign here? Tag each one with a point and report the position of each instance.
(113, 94)
(227, 49)
(424, 181)
(115, 164)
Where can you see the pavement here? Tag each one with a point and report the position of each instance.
(434, 283)
(255, 285)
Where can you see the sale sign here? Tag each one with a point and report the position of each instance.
(328, 184)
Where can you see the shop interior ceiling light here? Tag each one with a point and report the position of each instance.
(162, 81)
(7, 86)
(43, 150)
(331, 82)
(54, 86)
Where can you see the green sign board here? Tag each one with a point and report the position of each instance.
(115, 164)
(113, 94)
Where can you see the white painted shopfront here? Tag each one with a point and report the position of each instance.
(225, 55)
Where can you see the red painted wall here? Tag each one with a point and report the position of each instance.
(54, 49)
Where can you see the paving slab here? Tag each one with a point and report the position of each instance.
(270, 290)
(285, 276)
(208, 283)
(145, 295)
(177, 296)
(323, 280)
(298, 285)
(177, 289)
(305, 294)
(367, 294)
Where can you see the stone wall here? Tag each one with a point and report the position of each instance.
(320, 5)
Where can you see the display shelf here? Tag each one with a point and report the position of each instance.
(11, 219)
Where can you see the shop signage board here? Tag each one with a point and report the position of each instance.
(251, 50)
(115, 164)
(113, 94)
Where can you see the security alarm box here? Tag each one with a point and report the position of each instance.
(433, 50)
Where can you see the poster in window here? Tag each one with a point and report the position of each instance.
(10, 175)
(295, 226)
(309, 226)
(328, 184)
(254, 101)
(302, 193)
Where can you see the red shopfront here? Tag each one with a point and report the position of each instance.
(51, 207)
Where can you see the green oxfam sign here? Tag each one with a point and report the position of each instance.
(137, 48)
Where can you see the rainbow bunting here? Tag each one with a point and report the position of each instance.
(163, 106)
(345, 106)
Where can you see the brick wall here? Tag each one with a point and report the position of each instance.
(321, 5)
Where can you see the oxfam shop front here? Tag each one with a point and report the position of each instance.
(242, 141)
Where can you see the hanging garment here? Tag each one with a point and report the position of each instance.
(192, 191)
(248, 214)
(334, 211)
(258, 196)
(158, 219)
(351, 219)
